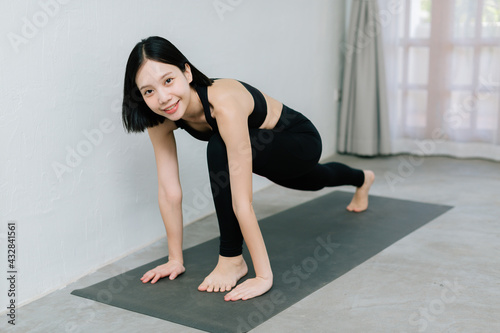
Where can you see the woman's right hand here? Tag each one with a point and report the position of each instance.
(172, 269)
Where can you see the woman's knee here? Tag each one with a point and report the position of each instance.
(216, 150)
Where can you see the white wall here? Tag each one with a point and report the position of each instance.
(61, 90)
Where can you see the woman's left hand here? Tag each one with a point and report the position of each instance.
(250, 288)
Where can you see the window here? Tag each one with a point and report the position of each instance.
(449, 70)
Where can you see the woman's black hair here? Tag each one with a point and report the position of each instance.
(136, 115)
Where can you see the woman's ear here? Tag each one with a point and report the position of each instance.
(187, 73)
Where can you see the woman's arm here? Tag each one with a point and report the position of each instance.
(233, 128)
(169, 199)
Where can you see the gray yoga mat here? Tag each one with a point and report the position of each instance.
(309, 246)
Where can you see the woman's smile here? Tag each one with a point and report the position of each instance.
(171, 109)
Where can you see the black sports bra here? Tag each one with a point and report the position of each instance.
(255, 120)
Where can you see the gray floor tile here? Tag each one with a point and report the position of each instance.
(441, 278)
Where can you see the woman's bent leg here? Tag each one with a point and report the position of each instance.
(231, 239)
(231, 266)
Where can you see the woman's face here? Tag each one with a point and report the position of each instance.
(165, 88)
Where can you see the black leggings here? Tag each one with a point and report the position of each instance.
(287, 155)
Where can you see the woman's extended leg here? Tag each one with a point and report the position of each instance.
(334, 174)
(290, 158)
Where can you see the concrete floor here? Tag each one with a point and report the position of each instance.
(444, 277)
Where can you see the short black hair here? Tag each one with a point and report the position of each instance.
(136, 115)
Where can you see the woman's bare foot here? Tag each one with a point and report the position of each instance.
(225, 275)
(359, 202)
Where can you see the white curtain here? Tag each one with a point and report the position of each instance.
(364, 119)
(443, 72)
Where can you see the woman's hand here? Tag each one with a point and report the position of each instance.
(172, 269)
(250, 288)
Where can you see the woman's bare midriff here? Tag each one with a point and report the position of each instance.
(274, 109)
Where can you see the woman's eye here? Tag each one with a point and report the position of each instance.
(168, 80)
(147, 92)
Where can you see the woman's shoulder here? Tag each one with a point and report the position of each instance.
(225, 84)
(226, 90)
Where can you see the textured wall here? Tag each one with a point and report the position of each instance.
(82, 191)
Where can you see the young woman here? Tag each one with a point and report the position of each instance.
(247, 132)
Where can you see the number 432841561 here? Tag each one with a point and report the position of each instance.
(11, 245)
